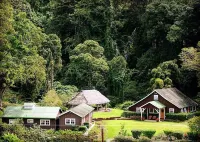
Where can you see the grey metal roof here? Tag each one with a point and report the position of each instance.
(90, 97)
(36, 112)
(80, 110)
(176, 97)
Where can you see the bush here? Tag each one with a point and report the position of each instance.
(136, 133)
(177, 116)
(149, 133)
(86, 124)
(10, 138)
(128, 114)
(193, 136)
(168, 133)
(82, 128)
(194, 124)
(125, 105)
(144, 139)
(121, 138)
(178, 135)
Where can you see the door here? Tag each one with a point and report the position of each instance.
(162, 113)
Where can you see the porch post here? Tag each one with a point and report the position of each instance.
(159, 115)
(147, 113)
(164, 113)
(141, 113)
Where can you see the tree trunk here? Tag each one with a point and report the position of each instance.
(2, 90)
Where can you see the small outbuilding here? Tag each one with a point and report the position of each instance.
(90, 97)
(30, 113)
(76, 116)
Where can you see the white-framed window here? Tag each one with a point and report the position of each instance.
(12, 121)
(44, 122)
(171, 110)
(191, 109)
(185, 110)
(30, 121)
(155, 97)
(137, 109)
(70, 121)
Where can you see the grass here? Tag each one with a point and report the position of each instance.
(112, 113)
(112, 127)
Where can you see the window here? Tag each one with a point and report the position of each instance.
(171, 110)
(137, 109)
(185, 110)
(194, 108)
(44, 122)
(30, 121)
(151, 110)
(12, 121)
(70, 121)
(155, 97)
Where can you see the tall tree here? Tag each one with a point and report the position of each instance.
(88, 67)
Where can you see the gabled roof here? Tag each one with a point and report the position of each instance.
(80, 110)
(89, 97)
(157, 104)
(174, 96)
(36, 112)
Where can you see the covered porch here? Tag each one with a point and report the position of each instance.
(155, 110)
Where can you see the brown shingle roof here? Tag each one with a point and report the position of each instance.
(89, 97)
(176, 97)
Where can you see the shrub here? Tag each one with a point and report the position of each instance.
(177, 116)
(149, 133)
(10, 138)
(86, 124)
(168, 133)
(194, 124)
(144, 139)
(121, 138)
(82, 128)
(75, 128)
(128, 114)
(136, 133)
(125, 105)
(178, 135)
(193, 136)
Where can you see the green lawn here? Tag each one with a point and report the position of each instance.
(112, 127)
(112, 113)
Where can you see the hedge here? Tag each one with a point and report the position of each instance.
(121, 138)
(128, 114)
(181, 116)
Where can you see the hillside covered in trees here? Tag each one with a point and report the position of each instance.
(123, 48)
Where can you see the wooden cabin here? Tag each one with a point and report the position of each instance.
(76, 116)
(45, 117)
(161, 101)
(90, 97)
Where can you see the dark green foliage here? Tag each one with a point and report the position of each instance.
(144, 139)
(177, 116)
(148, 133)
(136, 133)
(82, 128)
(128, 114)
(193, 136)
(121, 138)
(177, 135)
(86, 124)
(125, 105)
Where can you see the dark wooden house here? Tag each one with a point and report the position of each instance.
(76, 116)
(161, 101)
(45, 117)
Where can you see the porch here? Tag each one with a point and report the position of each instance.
(154, 111)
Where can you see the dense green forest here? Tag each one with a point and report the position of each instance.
(123, 48)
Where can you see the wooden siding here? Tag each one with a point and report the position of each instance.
(36, 121)
(62, 125)
(160, 99)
